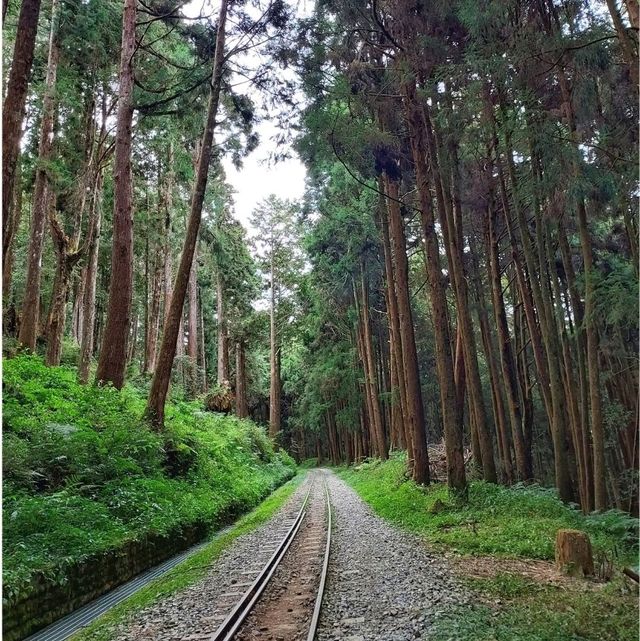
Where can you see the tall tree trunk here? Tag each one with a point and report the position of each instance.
(202, 347)
(113, 354)
(192, 318)
(450, 413)
(497, 390)
(167, 202)
(415, 413)
(162, 376)
(370, 370)
(507, 359)
(580, 350)
(591, 330)
(67, 255)
(13, 108)
(153, 320)
(395, 339)
(629, 52)
(90, 275)
(223, 339)
(274, 370)
(242, 408)
(453, 238)
(9, 249)
(31, 304)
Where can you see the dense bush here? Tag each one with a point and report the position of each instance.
(83, 474)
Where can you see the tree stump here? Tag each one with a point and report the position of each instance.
(573, 553)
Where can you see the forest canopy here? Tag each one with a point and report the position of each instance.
(460, 280)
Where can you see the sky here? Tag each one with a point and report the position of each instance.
(258, 178)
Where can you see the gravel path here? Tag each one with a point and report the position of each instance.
(383, 584)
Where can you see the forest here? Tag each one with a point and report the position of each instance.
(456, 292)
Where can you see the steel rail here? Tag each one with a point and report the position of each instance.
(323, 576)
(236, 617)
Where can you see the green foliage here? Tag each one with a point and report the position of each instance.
(518, 521)
(83, 474)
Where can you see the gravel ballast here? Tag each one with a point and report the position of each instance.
(195, 613)
(383, 583)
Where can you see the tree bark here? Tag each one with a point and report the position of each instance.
(370, 371)
(453, 237)
(13, 108)
(626, 43)
(9, 248)
(223, 339)
(67, 254)
(242, 408)
(192, 319)
(274, 375)
(202, 347)
(395, 339)
(162, 376)
(415, 414)
(90, 275)
(113, 354)
(31, 304)
(507, 360)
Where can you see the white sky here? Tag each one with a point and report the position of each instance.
(256, 179)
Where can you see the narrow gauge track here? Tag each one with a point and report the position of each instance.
(283, 603)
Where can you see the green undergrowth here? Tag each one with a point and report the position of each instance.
(517, 522)
(189, 571)
(83, 474)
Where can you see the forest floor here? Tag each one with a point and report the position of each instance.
(398, 571)
(499, 548)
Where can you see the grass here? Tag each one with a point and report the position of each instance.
(536, 612)
(510, 522)
(519, 523)
(189, 571)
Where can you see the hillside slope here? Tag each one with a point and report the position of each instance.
(83, 475)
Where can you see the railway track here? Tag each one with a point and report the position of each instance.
(281, 601)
